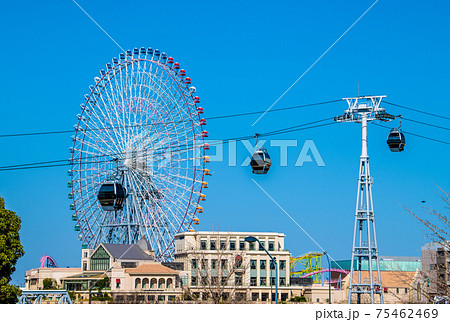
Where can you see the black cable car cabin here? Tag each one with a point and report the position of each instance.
(396, 140)
(260, 162)
(111, 196)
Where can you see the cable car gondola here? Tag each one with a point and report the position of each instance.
(260, 161)
(111, 196)
(396, 140)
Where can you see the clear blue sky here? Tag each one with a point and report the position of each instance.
(241, 56)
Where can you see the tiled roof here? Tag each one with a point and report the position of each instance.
(388, 278)
(151, 269)
(123, 251)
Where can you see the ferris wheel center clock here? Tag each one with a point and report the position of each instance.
(138, 154)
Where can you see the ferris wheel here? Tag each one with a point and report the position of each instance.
(138, 155)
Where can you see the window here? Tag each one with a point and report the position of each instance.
(253, 264)
(223, 280)
(171, 297)
(194, 280)
(223, 263)
(262, 281)
(264, 296)
(282, 281)
(272, 265)
(252, 281)
(255, 297)
(238, 261)
(223, 245)
(262, 264)
(194, 264)
(137, 283)
(272, 281)
(203, 244)
(282, 265)
(232, 245)
(204, 263)
(241, 245)
(238, 280)
(397, 290)
(271, 245)
(100, 260)
(84, 254)
(214, 280)
(161, 298)
(406, 290)
(251, 246)
(261, 245)
(84, 266)
(212, 245)
(213, 263)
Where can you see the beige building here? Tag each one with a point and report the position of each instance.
(223, 267)
(208, 267)
(436, 268)
(35, 277)
(398, 287)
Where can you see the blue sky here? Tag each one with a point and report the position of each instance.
(241, 56)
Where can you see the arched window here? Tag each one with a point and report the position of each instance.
(153, 283)
(137, 283)
(169, 283)
(161, 283)
(145, 283)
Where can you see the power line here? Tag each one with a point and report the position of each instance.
(418, 135)
(167, 123)
(424, 123)
(416, 110)
(46, 164)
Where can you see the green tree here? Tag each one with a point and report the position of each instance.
(101, 284)
(10, 251)
(48, 284)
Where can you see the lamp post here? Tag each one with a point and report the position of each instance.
(251, 239)
(329, 278)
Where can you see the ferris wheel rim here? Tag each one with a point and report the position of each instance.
(176, 78)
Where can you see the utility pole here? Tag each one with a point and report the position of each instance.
(364, 109)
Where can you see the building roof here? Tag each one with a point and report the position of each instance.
(123, 251)
(230, 233)
(388, 278)
(155, 268)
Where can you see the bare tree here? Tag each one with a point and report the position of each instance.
(218, 276)
(437, 273)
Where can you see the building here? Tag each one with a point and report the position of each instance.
(436, 268)
(387, 263)
(34, 278)
(208, 267)
(223, 267)
(398, 286)
(134, 275)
